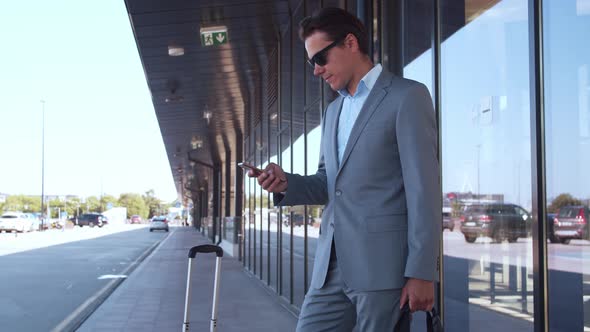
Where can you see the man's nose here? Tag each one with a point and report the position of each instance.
(317, 70)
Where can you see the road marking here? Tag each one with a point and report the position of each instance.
(112, 276)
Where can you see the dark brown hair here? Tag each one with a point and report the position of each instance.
(337, 24)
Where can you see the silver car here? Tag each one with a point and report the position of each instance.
(159, 223)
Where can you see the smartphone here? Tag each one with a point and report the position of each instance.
(248, 167)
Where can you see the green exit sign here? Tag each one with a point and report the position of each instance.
(214, 36)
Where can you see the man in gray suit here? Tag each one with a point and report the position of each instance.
(378, 175)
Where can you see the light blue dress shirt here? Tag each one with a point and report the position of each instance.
(352, 105)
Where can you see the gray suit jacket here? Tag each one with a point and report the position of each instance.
(383, 202)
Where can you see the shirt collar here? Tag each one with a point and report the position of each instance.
(368, 81)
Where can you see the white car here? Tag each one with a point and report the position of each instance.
(16, 221)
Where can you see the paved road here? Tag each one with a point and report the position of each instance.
(45, 276)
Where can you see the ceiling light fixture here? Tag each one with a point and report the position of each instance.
(175, 50)
(173, 99)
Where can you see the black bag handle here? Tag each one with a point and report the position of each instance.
(433, 322)
(205, 248)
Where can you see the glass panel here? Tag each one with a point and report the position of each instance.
(485, 159)
(567, 119)
(314, 132)
(263, 202)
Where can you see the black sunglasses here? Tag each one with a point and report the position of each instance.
(320, 57)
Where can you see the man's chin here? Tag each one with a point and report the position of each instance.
(334, 87)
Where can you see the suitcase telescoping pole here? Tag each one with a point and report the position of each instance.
(206, 248)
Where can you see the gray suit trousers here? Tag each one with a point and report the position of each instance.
(336, 307)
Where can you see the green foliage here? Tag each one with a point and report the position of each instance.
(105, 200)
(92, 204)
(22, 203)
(562, 200)
(134, 204)
(154, 204)
(146, 205)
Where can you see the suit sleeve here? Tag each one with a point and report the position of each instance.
(310, 189)
(417, 138)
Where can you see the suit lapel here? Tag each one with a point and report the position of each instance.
(373, 100)
(336, 109)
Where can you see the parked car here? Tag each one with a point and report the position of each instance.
(159, 223)
(16, 221)
(447, 220)
(498, 221)
(135, 219)
(550, 228)
(92, 219)
(298, 220)
(571, 222)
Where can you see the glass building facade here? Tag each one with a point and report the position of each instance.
(510, 81)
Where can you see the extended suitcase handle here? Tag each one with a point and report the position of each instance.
(205, 248)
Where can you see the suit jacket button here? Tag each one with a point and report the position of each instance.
(338, 193)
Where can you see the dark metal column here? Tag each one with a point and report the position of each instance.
(239, 195)
(392, 38)
(227, 179)
(216, 198)
(280, 161)
(538, 172)
(437, 100)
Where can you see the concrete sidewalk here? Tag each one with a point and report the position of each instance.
(152, 297)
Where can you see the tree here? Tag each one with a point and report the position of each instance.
(153, 203)
(22, 203)
(561, 201)
(92, 204)
(105, 200)
(134, 204)
(74, 207)
(55, 206)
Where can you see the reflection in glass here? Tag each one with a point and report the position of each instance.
(485, 160)
(567, 140)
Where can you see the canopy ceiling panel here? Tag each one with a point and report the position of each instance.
(203, 96)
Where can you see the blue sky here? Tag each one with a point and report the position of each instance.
(100, 127)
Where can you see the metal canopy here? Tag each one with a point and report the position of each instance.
(216, 79)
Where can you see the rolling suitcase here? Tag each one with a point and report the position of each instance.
(206, 248)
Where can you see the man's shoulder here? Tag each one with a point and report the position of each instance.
(404, 84)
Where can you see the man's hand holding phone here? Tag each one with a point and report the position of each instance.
(271, 179)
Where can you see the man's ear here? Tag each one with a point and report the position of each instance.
(351, 42)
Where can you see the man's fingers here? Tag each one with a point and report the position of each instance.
(403, 298)
(275, 185)
(261, 178)
(268, 180)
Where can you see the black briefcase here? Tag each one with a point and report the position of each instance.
(433, 321)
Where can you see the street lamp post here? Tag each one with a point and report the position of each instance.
(43, 167)
(478, 146)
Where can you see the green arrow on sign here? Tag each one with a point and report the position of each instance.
(220, 38)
